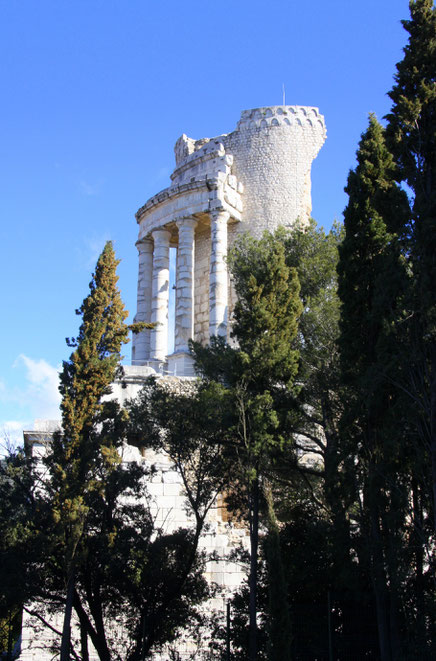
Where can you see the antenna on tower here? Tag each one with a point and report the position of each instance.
(284, 94)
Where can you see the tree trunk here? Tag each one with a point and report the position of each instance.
(278, 607)
(379, 585)
(98, 638)
(254, 542)
(84, 644)
(433, 425)
(419, 592)
(66, 629)
(394, 601)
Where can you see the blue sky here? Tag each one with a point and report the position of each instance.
(95, 94)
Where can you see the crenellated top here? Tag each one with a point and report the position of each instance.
(259, 172)
(255, 178)
(304, 116)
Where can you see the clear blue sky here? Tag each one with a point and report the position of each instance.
(94, 95)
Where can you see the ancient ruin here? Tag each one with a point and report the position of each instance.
(253, 179)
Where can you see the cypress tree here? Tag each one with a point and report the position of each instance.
(370, 282)
(377, 208)
(412, 138)
(84, 380)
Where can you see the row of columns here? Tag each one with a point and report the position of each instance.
(153, 287)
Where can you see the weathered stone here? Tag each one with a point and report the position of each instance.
(258, 177)
(141, 341)
(255, 178)
(160, 295)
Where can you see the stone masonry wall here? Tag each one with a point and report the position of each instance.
(273, 149)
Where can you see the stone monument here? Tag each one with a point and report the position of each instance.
(254, 179)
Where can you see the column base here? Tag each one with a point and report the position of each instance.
(181, 364)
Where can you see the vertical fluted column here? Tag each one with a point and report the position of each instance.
(185, 285)
(141, 341)
(218, 290)
(160, 294)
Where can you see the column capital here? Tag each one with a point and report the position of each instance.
(219, 215)
(186, 221)
(161, 236)
(144, 245)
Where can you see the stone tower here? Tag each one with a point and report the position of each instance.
(253, 179)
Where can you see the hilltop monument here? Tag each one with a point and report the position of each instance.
(253, 179)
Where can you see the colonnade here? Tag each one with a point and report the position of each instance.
(153, 287)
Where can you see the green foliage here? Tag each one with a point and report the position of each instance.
(371, 282)
(119, 565)
(313, 496)
(10, 629)
(82, 535)
(412, 120)
(93, 365)
(85, 379)
(266, 312)
(368, 274)
(134, 574)
(265, 361)
(347, 382)
(256, 379)
(388, 354)
(314, 254)
(412, 137)
(412, 134)
(191, 425)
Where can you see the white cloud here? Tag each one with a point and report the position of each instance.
(42, 389)
(37, 397)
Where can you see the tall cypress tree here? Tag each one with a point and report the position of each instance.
(84, 380)
(370, 281)
(376, 210)
(412, 138)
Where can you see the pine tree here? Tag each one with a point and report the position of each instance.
(370, 284)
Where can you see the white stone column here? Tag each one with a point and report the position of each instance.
(185, 285)
(141, 341)
(218, 287)
(160, 294)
